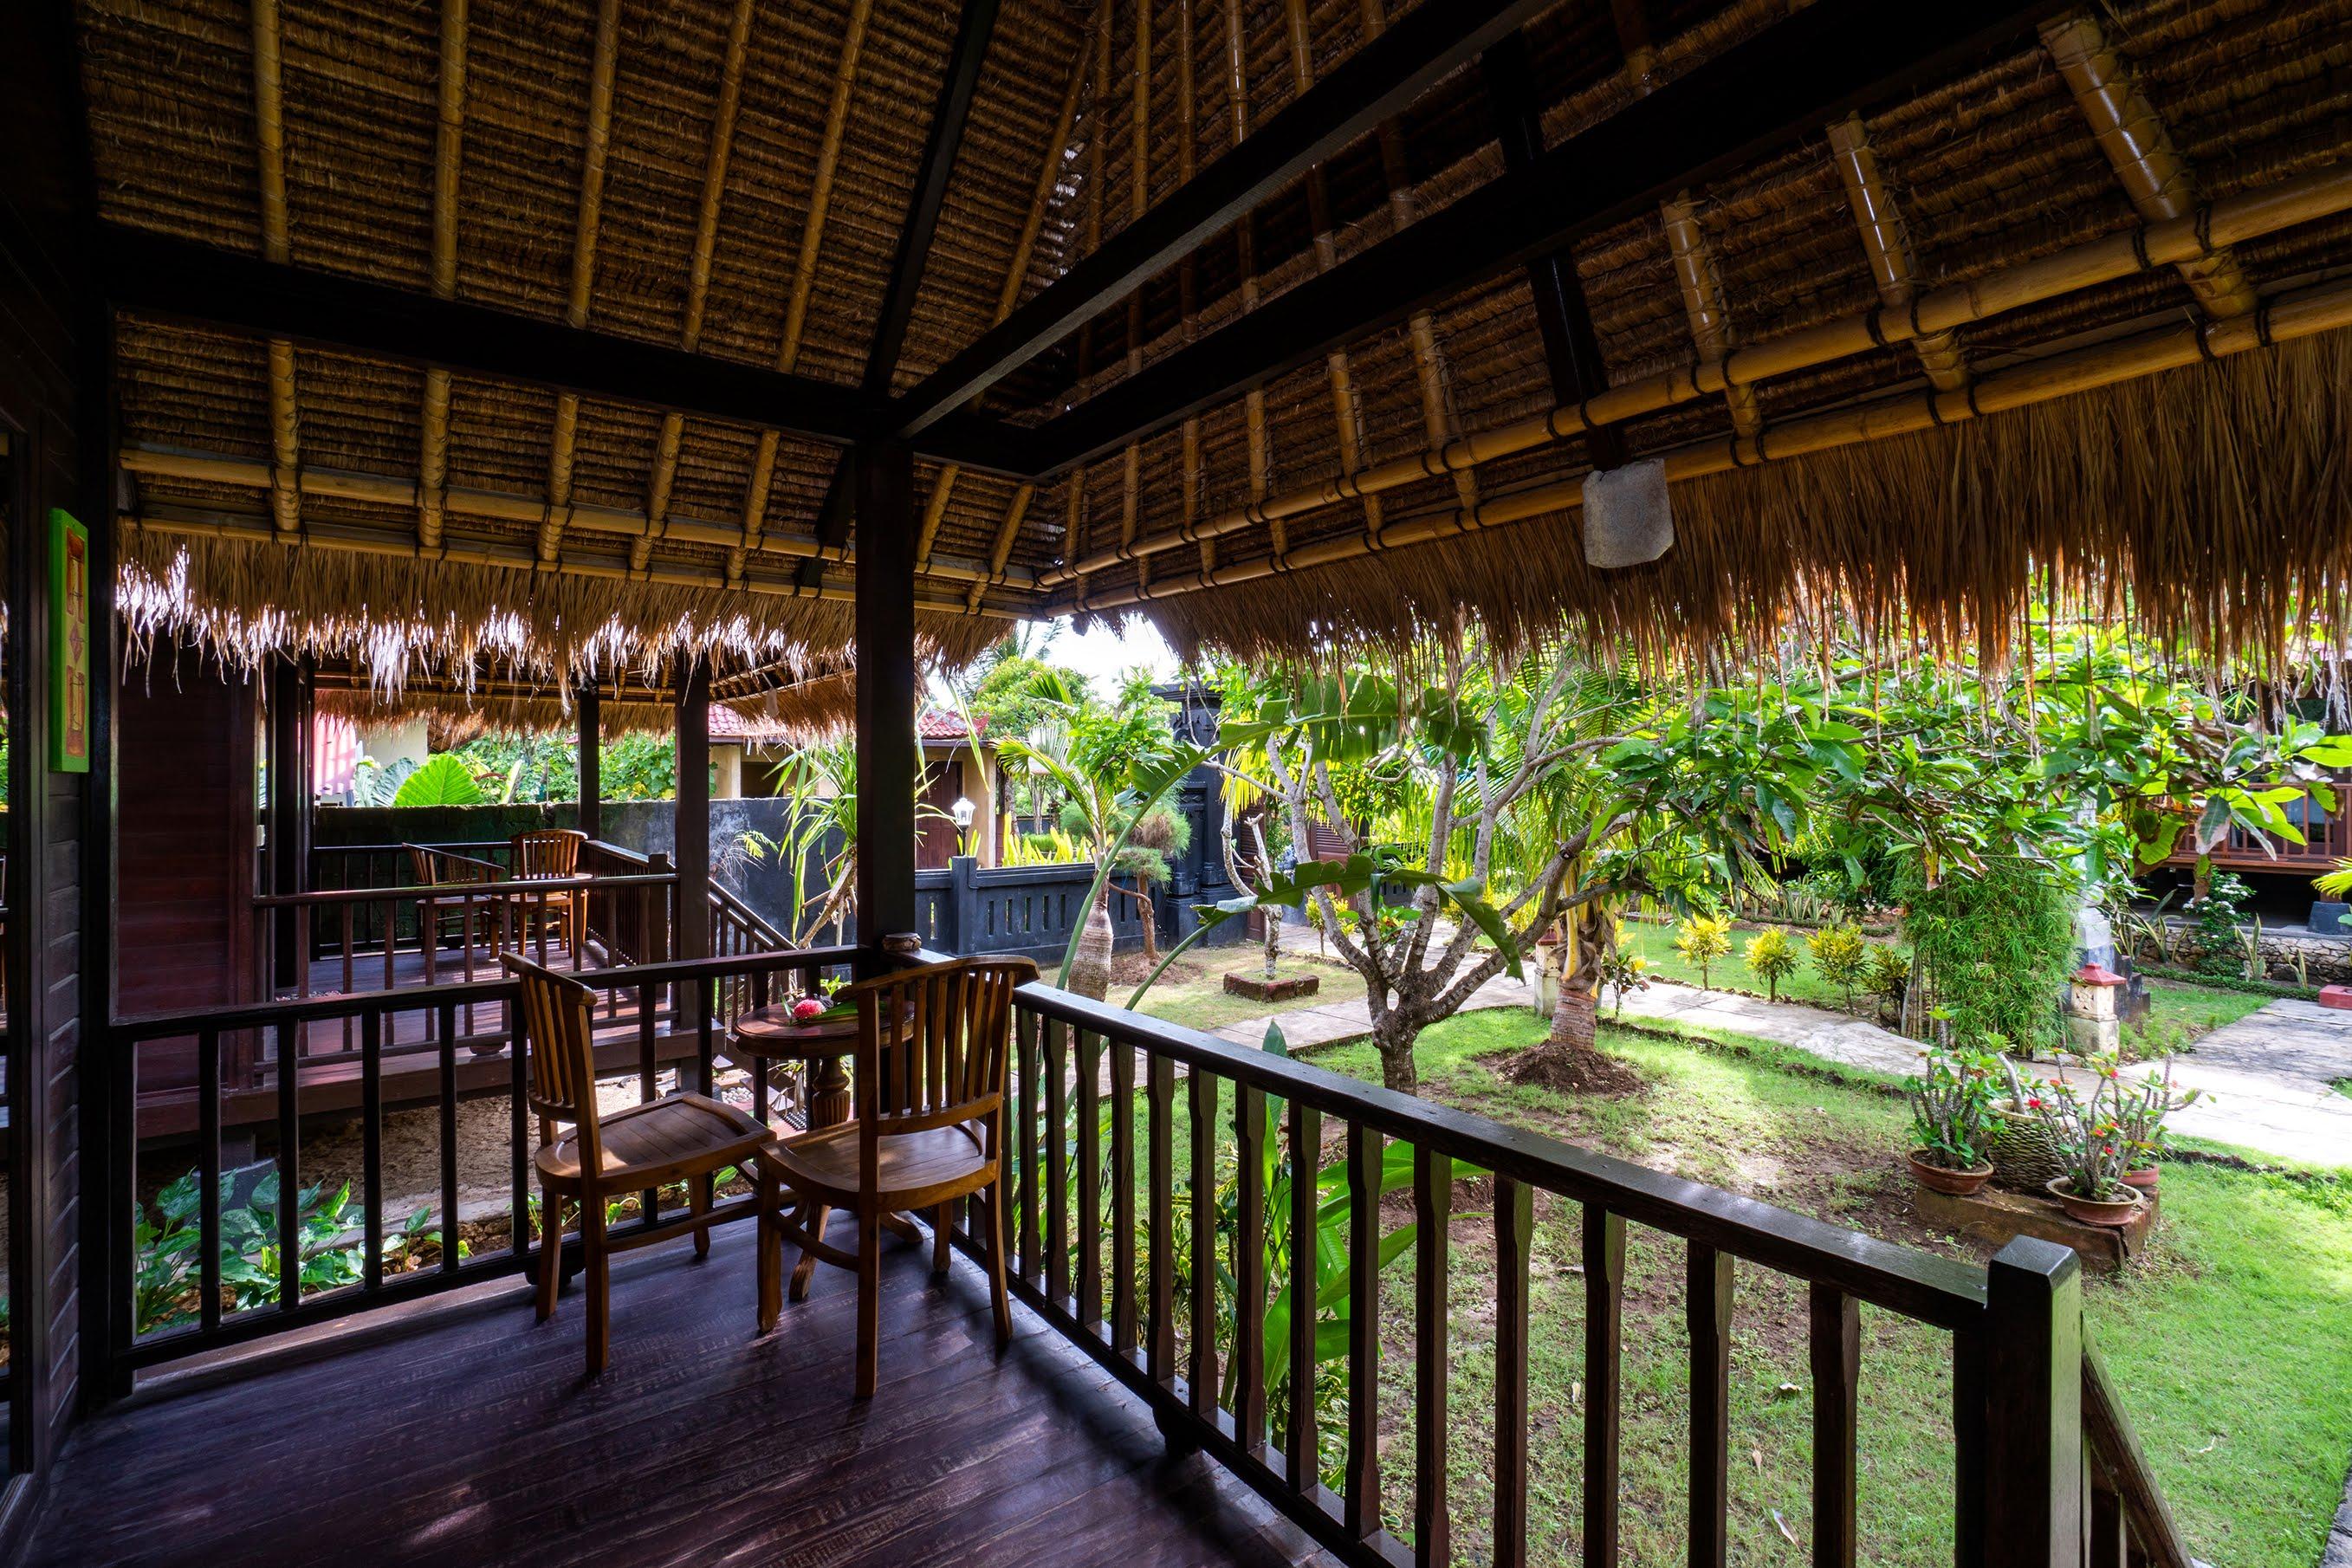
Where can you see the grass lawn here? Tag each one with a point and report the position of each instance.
(2179, 1011)
(2228, 1345)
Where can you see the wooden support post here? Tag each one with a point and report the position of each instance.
(693, 822)
(883, 484)
(591, 703)
(2033, 1424)
(289, 808)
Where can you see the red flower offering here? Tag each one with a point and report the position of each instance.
(806, 1010)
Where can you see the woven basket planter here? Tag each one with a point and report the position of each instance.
(2025, 1155)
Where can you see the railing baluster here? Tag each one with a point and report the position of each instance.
(649, 1201)
(391, 948)
(1971, 1386)
(449, 1021)
(372, 1144)
(1159, 1222)
(1515, 1227)
(1363, 1478)
(1433, 1213)
(519, 1150)
(289, 1172)
(704, 1045)
(1706, 1306)
(1025, 1025)
(1200, 1094)
(1122, 1197)
(208, 1172)
(1836, 1347)
(1088, 1068)
(1604, 1353)
(1057, 1161)
(346, 908)
(1306, 1165)
(466, 947)
(1249, 1266)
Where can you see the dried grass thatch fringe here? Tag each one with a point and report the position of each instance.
(2211, 505)
(822, 706)
(398, 619)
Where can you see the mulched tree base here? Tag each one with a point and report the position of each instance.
(1258, 988)
(1573, 1069)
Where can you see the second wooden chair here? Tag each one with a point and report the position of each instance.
(934, 1052)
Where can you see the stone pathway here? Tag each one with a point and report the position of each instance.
(2270, 1074)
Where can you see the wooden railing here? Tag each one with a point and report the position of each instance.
(1099, 1125)
(649, 1053)
(2045, 1468)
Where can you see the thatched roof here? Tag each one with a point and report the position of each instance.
(2069, 306)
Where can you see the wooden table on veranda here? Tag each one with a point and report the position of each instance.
(766, 1035)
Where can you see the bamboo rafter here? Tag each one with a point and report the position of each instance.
(1074, 535)
(611, 523)
(2284, 318)
(2139, 148)
(1139, 195)
(1888, 245)
(1633, 22)
(1188, 272)
(270, 141)
(448, 145)
(697, 278)
(2323, 193)
(1246, 237)
(595, 148)
(820, 202)
(1696, 275)
(1002, 552)
(1016, 273)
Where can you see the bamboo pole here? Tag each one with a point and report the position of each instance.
(844, 82)
(1888, 245)
(245, 473)
(448, 146)
(723, 112)
(1245, 238)
(1139, 202)
(2321, 193)
(269, 142)
(1188, 275)
(1074, 535)
(1696, 275)
(402, 544)
(1344, 412)
(934, 509)
(1001, 552)
(2139, 148)
(585, 227)
(2296, 315)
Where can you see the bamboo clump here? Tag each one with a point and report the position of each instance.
(2323, 193)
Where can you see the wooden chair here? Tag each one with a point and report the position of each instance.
(549, 854)
(933, 1054)
(468, 901)
(681, 1137)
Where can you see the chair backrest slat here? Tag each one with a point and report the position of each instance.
(547, 852)
(557, 1035)
(934, 1044)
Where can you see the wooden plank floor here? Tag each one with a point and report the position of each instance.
(478, 1440)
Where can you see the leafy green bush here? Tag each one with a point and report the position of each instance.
(1886, 975)
(1771, 957)
(2219, 949)
(1703, 940)
(1997, 946)
(1841, 958)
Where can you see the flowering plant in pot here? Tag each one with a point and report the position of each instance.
(2142, 1113)
(2092, 1145)
(1950, 1104)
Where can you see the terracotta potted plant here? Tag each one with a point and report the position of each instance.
(2090, 1135)
(2143, 1111)
(1948, 1103)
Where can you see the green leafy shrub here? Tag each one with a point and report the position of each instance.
(1886, 976)
(1841, 958)
(1771, 957)
(1997, 946)
(1702, 941)
(2220, 950)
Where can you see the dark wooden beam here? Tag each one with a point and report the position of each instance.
(1563, 316)
(591, 708)
(176, 280)
(884, 484)
(692, 820)
(1375, 82)
(289, 808)
(1786, 81)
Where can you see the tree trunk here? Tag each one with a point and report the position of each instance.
(1272, 920)
(1090, 975)
(1567, 1059)
(1151, 922)
(1392, 1036)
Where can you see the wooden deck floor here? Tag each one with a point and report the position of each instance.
(477, 1441)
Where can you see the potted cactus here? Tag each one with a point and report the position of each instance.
(2094, 1146)
(2142, 1113)
(1950, 1103)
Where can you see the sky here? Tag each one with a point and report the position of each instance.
(1105, 655)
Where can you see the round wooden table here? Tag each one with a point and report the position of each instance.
(768, 1033)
